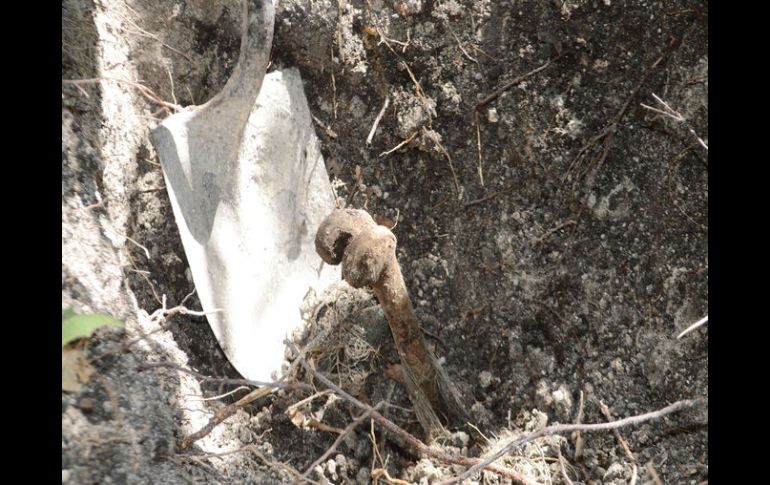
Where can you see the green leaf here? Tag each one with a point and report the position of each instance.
(74, 326)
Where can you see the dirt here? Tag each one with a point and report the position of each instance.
(536, 273)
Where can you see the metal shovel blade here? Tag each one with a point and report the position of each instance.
(248, 187)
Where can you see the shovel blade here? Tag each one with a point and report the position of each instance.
(247, 214)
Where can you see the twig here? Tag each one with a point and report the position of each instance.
(252, 448)
(146, 278)
(407, 437)
(146, 251)
(375, 449)
(675, 115)
(606, 411)
(171, 80)
(417, 86)
(568, 428)
(478, 49)
(608, 132)
(386, 40)
(563, 470)
(460, 45)
(188, 296)
(478, 146)
(433, 136)
(221, 396)
(82, 91)
(334, 85)
(377, 121)
(307, 400)
(400, 144)
(331, 133)
(321, 426)
(694, 326)
(548, 233)
(671, 181)
(653, 474)
(161, 317)
(382, 472)
(348, 429)
(144, 90)
(486, 198)
(192, 98)
(223, 380)
(579, 440)
(224, 413)
(497, 92)
(154, 37)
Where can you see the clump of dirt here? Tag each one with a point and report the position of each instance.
(554, 241)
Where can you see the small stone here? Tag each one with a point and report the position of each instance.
(562, 402)
(409, 7)
(492, 115)
(616, 471)
(461, 438)
(363, 477)
(86, 405)
(331, 466)
(244, 434)
(485, 379)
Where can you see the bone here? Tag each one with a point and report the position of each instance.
(367, 252)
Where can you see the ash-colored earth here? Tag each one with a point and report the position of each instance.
(554, 241)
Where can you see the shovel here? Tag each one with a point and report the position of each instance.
(248, 187)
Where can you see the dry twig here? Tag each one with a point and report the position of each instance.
(487, 197)
(478, 146)
(377, 121)
(327, 129)
(411, 137)
(675, 115)
(224, 413)
(161, 317)
(694, 326)
(143, 90)
(671, 175)
(460, 45)
(653, 474)
(563, 469)
(607, 133)
(253, 449)
(407, 438)
(579, 440)
(433, 136)
(378, 473)
(224, 380)
(623, 443)
(349, 429)
(568, 428)
(144, 33)
(497, 92)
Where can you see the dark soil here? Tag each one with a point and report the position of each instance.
(570, 268)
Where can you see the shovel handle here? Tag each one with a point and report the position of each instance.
(256, 43)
